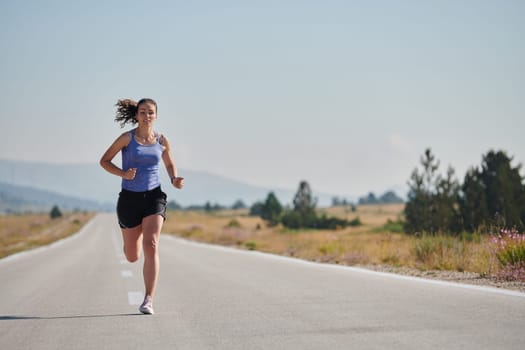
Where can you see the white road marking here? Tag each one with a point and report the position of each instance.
(126, 273)
(135, 298)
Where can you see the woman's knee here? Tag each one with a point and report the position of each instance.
(131, 256)
(132, 243)
(151, 246)
(132, 259)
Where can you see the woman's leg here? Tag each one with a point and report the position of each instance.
(151, 226)
(132, 238)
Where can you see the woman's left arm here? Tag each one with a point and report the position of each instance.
(176, 181)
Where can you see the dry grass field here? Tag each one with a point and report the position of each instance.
(378, 241)
(22, 232)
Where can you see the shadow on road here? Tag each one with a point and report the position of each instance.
(15, 318)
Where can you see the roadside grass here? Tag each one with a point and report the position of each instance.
(508, 248)
(378, 241)
(443, 252)
(26, 231)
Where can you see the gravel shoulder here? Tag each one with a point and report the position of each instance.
(450, 276)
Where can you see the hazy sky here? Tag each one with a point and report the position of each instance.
(344, 94)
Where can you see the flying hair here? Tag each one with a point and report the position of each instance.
(127, 110)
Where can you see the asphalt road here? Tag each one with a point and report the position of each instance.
(81, 294)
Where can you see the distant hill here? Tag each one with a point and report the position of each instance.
(20, 199)
(91, 183)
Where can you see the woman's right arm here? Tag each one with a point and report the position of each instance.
(107, 158)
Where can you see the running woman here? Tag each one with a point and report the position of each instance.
(141, 206)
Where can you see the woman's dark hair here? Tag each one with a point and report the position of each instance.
(127, 110)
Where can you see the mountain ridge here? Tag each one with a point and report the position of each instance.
(90, 182)
(16, 199)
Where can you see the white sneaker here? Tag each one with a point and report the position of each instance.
(147, 306)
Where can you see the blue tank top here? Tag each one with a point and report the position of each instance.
(146, 158)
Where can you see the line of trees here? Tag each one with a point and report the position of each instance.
(302, 215)
(208, 207)
(492, 194)
(386, 198)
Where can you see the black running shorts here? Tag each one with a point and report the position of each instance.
(132, 207)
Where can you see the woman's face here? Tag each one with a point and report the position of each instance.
(146, 113)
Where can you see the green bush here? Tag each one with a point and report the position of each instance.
(271, 210)
(294, 220)
(509, 249)
(256, 209)
(234, 223)
(512, 255)
(391, 226)
(394, 226)
(251, 245)
(331, 223)
(355, 222)
(55, 212)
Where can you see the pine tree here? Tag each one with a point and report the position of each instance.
(256, 209)
(271, 210)
(303, 201)
(504, 189)
(418, 210)
(473, 201)
(239, 204)
(432, 199)
(55, 212)
(446, 198)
